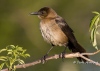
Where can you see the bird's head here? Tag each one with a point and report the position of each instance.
(45, 12)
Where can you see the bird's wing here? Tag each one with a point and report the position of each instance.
(66, 29)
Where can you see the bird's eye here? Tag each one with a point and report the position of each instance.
(43, 12)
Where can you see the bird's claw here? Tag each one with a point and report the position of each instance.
(43, 59)
(62, 55)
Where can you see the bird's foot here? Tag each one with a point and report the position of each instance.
(43, 59)
(62, 55)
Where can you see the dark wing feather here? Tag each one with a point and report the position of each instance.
(73, 45)
(66, 29)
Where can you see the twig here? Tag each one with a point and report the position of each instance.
(56, 56)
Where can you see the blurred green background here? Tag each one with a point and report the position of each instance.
(17, 27)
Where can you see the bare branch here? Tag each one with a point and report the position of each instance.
(56, 56)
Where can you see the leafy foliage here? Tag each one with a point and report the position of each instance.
(93, 28)
(12, 57)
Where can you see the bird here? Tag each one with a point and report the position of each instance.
(57, 32)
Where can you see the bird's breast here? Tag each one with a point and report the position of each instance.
(52, 33)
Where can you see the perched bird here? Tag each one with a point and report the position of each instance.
(56, 31)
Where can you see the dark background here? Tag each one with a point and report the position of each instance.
(17, 27)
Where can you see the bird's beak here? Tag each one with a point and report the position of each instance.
(35, 13)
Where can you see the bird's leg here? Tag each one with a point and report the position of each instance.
(62, 55)
(43, 59)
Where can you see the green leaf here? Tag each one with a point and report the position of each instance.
(94, 21)
(2, 50)
(94, 39)
(3, 58)
(23, 52)
(1, 66)
(14, 68)
(12, 46)
(93, 28)
(97, 22)
(10, 50)
(13, 56)
(95, 44)
(21, 61)
(27, 55)
(95, 12)
(7, 64)
(92, 35)
(9, 53)
(19, 49)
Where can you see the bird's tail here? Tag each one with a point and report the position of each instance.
(77, 48)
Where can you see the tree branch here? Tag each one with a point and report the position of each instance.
(56, 56)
